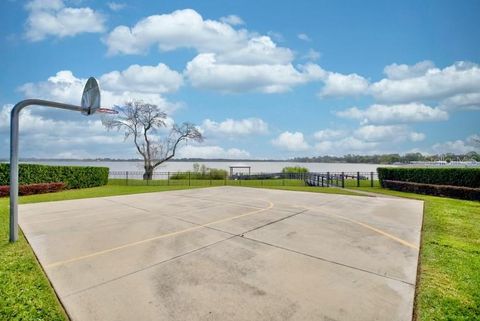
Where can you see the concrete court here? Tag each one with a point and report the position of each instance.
(229, 253)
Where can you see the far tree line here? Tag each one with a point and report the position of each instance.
(389, 158)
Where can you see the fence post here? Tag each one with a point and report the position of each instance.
(343, 180)
(225, 181)
(126, 178)
(371, 179)
(336, 179)
(358, 179)
(322, 180)
(189, 182)
(168, 178)
(328, 179)
(210, 178)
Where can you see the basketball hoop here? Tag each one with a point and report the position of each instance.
(90, 104)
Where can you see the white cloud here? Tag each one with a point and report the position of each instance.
(458, 146)
(66, 87)
(410, 87)
(147, 79)
(258, 50)
(399, 72)
(5, 117)
(304, 37)
(179, 29)
(228, 59)
(291, 141)
(469, 101)
(232, 127)
(52, 18)
(338, 85)
(366, 139)
(390, 133)
(428, 84)
(205, 72)
(116, 6)
(327, 134)
(402, 113)
(194, 151)
(187, 29)
(232, 20)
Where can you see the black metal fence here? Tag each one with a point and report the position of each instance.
(320, 179)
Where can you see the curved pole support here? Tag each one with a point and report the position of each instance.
(14, 126)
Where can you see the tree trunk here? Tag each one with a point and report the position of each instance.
(148, 175)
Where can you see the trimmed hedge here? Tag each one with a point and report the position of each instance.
(34, 189)
(466, 193)
(466, 177)
(72, 176)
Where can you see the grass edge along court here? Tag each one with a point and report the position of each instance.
(448, 285)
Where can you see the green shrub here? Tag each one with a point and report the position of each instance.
(72, 176)
(294, 169)
(466, 177)
(210, 173)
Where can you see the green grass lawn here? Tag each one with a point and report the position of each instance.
(449, 280)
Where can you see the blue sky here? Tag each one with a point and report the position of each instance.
(261, 79)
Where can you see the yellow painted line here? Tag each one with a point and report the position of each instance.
(388, 235)
(193, 228)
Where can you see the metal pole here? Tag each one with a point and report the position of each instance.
(358, 179)
(14, 172)
(14, 127)
(126, 178)
(343, 180)
(371, 179)
(328, 179)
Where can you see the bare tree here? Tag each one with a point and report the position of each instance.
(142, 122)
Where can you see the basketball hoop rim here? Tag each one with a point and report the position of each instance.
(106, 111)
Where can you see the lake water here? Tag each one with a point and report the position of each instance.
(256, 167)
